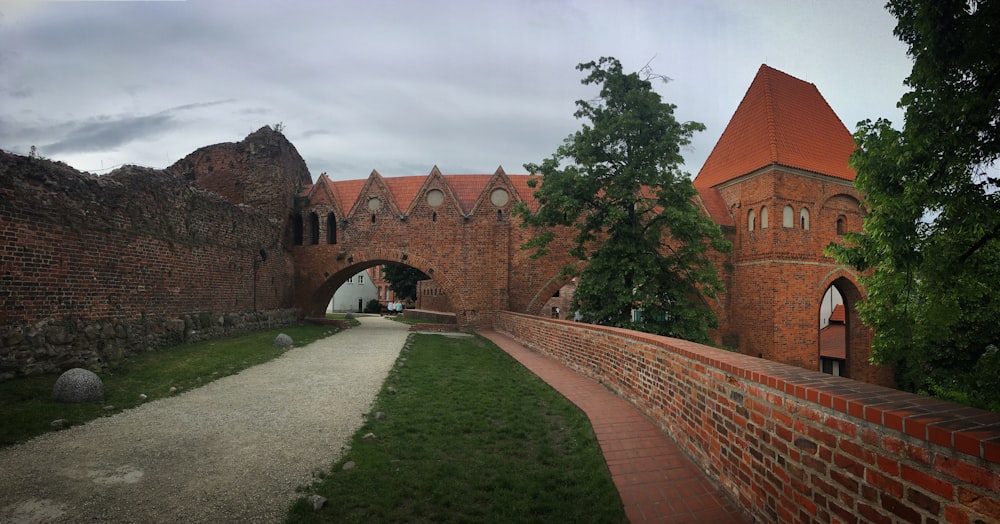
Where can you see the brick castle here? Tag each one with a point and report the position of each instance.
(237, 235)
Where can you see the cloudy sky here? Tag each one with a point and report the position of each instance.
(400, 86)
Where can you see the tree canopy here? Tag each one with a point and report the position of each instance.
(931, 240)
(403, 280)
(618, 183)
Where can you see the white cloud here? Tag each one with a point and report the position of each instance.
(401, 86)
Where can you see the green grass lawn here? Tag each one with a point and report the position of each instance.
(26, 408)
(343, 316)
(470, 436)
(412, 321)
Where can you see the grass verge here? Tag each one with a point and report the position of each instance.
(27, 410)
(343, 316)
(469, 436)
(411, 321)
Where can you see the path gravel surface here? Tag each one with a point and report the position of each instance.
(234, 450)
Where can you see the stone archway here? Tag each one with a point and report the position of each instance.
(343, 264)
(857, 336)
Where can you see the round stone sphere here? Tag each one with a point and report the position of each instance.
(282, 340)
(78, 385)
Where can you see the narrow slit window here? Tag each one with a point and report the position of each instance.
(331, 229)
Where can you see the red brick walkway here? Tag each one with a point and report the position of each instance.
(656, 481)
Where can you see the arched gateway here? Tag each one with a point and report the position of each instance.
(458, 229)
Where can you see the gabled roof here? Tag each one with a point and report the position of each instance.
(833, 341)
(837, 315)
(716, 206)
(781, 120)
(346, 192)
(468, 189)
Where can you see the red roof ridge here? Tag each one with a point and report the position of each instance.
(781, 120)
(838, 314)
(769, 98)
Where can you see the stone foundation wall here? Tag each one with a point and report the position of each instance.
(52, 345)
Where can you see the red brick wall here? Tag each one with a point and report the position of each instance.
(431, 297)
(263, 171)
(779, 275)
(473, 254)
(792, 445)
(95, 267)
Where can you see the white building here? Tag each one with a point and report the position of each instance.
(353, 295)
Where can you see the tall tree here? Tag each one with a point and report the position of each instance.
(931, 239)
(618, 182)
(403, 280)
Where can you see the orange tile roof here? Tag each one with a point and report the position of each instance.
(716, 206)
(837, 315)
(346, 192)
(527, 194)
(833, 341)
(404, 189)
(467, 189)
(781, 120)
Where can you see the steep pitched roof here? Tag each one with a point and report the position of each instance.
(466, 188)
(781, 120)
(838, 315)
(715, 206)
(833, 341)
(346, 192)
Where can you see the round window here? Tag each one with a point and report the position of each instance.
(499, 197)
(374, 204)
(435, 197)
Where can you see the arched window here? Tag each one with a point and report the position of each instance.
(841, 225)
(331, 229)
(297, 229)
(751, 218)
(804, 218)
(787, 217)
(313, 228)
(763, 217)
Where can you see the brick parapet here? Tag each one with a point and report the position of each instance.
(792, 444)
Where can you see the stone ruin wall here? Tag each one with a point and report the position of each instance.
(94, 268)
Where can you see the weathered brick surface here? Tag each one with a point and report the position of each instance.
(780, 274)
(471, 250)
(92, 268)
(430, 296)
(143, 244)
(789, 444)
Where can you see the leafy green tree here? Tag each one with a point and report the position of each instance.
(403, 280)
(618, 182)
(931, 240)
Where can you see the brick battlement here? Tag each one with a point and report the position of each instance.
(792, 445)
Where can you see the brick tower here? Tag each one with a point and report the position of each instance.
(779, 181)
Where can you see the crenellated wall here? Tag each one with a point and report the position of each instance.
(792, 445)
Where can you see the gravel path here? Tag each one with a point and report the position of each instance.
(234, 450)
